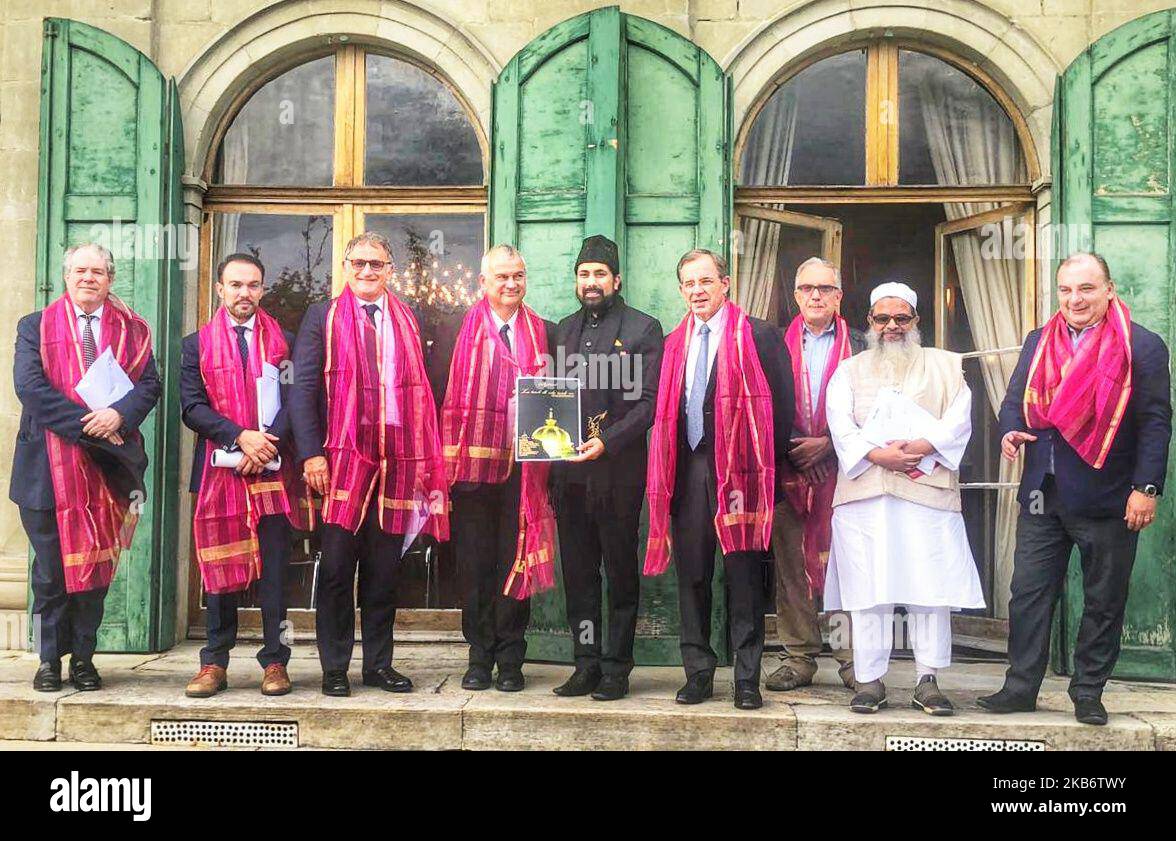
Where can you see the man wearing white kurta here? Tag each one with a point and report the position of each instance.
(900, 417)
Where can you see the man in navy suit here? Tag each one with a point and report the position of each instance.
(1066, 499)
(68, 622)
(240, 285)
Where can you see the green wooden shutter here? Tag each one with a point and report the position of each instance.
(111, 155)
(1115, 115)
(611, 124)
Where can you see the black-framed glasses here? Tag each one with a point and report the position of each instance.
(882, 319)
(824, 290)
(376, 265)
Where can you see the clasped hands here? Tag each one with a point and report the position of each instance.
(103, 423)
(901, 456)
(259, 449)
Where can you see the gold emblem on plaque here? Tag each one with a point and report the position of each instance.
(594, 425)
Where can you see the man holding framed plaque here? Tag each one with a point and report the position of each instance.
(615, 352)
(503, 526)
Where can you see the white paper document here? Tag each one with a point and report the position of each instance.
(231, 458)
(896, 417)
(269, 396)
(104, 383)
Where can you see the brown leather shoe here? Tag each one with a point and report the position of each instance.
(276, 680)
(208, 681)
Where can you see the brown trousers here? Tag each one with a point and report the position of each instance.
(797, 623)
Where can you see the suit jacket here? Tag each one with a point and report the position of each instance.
(777, 364)
(1138, 456)
(624, 428)
(202, 419)
(44, 407)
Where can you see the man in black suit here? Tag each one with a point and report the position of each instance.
(703, 282)
(68, 622)
(370, 550)
(240, 285)
(615, 351)
(1066, 501)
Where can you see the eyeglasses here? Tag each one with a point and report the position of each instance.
(901, 320)
(376, 265)
(807, 289)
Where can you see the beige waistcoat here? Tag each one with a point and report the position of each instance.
(933, 381)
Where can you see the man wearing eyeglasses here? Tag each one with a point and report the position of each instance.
(724, 416)
(818, 340)
(899, 415)
(365, 427)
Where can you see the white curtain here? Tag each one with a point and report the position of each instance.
(766, 161)
(972, 141)
(235, 169)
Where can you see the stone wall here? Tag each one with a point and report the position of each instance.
(214, 47)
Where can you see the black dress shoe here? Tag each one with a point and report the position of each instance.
(1090, 711)
(48, 677)
(1006, 702)
(611, 688)
(699, 686)
(387, 679)
(582, 682)
(84, 676)
(511, 680)
(747, 695)
(336, 684)
(476, 677)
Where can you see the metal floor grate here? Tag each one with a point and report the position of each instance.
(931, 743)
(222, 734)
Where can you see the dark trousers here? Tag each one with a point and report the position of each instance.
(1044, 543)
(67, 622)
(376, 555)
(273, 533)
(585, 539)
(485, 529)
(695, 541)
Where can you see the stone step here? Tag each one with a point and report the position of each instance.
(439, 715)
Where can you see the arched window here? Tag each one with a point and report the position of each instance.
(351, 141)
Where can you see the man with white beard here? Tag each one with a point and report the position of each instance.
(900, 417)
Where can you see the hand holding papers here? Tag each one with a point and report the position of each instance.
(232, 459)
(269, 401)
(896, 417)
(104, 383)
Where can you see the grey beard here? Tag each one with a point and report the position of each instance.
(894, 358)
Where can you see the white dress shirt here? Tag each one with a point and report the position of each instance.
(248, 325)
(716, 324)
(498, 322)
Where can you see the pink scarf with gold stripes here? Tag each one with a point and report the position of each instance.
(94, 525)
(230, 505)
(477, 428)
(744, 449)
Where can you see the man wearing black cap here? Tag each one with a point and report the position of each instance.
(615, 351)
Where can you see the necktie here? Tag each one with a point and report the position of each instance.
(242, 345)
(505, 333)
(369, 339)
(694, 426)
(89, 346)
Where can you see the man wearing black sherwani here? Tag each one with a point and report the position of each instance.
(616, 352)
(69, 621)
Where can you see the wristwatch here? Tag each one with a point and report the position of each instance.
(1147, 490)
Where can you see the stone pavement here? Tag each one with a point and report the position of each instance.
(440, 715)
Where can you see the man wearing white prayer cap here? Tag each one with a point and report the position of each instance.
(899, 416)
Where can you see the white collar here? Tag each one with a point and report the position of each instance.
(498, 322)
(248, 325)
(716, 321)
(79, 312)
(832, 327)
(379, 302)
